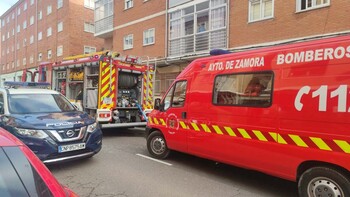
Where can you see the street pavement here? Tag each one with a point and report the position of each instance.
(123, 168)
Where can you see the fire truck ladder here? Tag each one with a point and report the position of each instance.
(149, 81)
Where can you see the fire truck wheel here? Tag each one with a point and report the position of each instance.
(157, 146)
(323, 181)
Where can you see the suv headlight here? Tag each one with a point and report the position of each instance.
(92, 127)
(31, 133)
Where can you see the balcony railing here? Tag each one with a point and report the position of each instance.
(104, 25)
(199, 42)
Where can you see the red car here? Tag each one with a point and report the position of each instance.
(23, 174)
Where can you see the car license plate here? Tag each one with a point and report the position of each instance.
(71, 147)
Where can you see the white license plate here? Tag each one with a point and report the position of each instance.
(71, 147)
(107, 100)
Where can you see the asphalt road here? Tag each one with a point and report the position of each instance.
(122, 168)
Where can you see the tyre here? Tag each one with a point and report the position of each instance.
(323, 181)
(157, 146)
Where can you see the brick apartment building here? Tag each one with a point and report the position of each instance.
(171, 33)
(35, 31)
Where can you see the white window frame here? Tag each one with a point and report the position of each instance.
(60, 26)
(31, 40)
(31, 20)
(89, 27)
(40, 14)
(31, 59)
(89, 4)
(3, 38)
(89, 49)
(40, 56)
(19, 11)
(40, 36)
(31, 2)
(59, 4)
(128, 41)
(262, 10)
(313, 5)
(49, 10)
(24, 24)
(24, 61)
(128, 4)
(147, 34)
(59, 51)
(49, 31)
(18, 28)
(25, 6)
(49, 54)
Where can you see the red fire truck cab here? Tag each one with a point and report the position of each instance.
(281, 110)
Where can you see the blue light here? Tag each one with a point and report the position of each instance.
(17, 84)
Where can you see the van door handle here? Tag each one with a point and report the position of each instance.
(184, 115)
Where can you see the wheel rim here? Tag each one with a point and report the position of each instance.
(324, 187)
(158, 145)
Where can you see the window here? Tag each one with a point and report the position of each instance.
(311, 4)
(128, 42)
(40, 35)
(40, 15)
(24, 61)
(260, 10)
(49, 9)
(25, 6)
(88, 49)
(89, 27)
(3, 23)
(59, 4)
(8, 35)
(24, 24)
(3, 38)
(31, 59)
(31, 20)
(59, 51)
(157, 87)
(176, 95)
(60, 27)
(31, 40)
(89, 4)
(17, 46)
(49, 54)
(13, 15)
(24, 42)
(8, 19)
(18, 28)
(18, 63)
(19, 11)
(40, 56)
(128, 4)
(148, 36)
(31, 2)
(248, 89)
(198, 27)
(49, 31)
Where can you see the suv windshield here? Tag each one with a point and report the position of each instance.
(38, 103)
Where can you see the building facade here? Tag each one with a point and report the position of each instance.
(36, 31)
(172, 33)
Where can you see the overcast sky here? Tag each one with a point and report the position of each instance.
(5, 5)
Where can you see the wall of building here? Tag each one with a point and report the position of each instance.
(142, 16)
(286, 22)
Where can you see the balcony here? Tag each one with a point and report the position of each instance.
(104, 27)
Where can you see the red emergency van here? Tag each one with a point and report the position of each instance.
(281, 110)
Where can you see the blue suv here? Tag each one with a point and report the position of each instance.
(48, 123)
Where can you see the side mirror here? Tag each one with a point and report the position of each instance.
(157, 104)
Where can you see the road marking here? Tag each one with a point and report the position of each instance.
(144, 156)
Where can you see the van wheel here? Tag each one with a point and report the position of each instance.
(323, 181)
(157, 146)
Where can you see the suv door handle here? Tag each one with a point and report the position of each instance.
(183, 115)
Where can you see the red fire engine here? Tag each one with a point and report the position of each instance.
(114, 89)
(282, 110)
